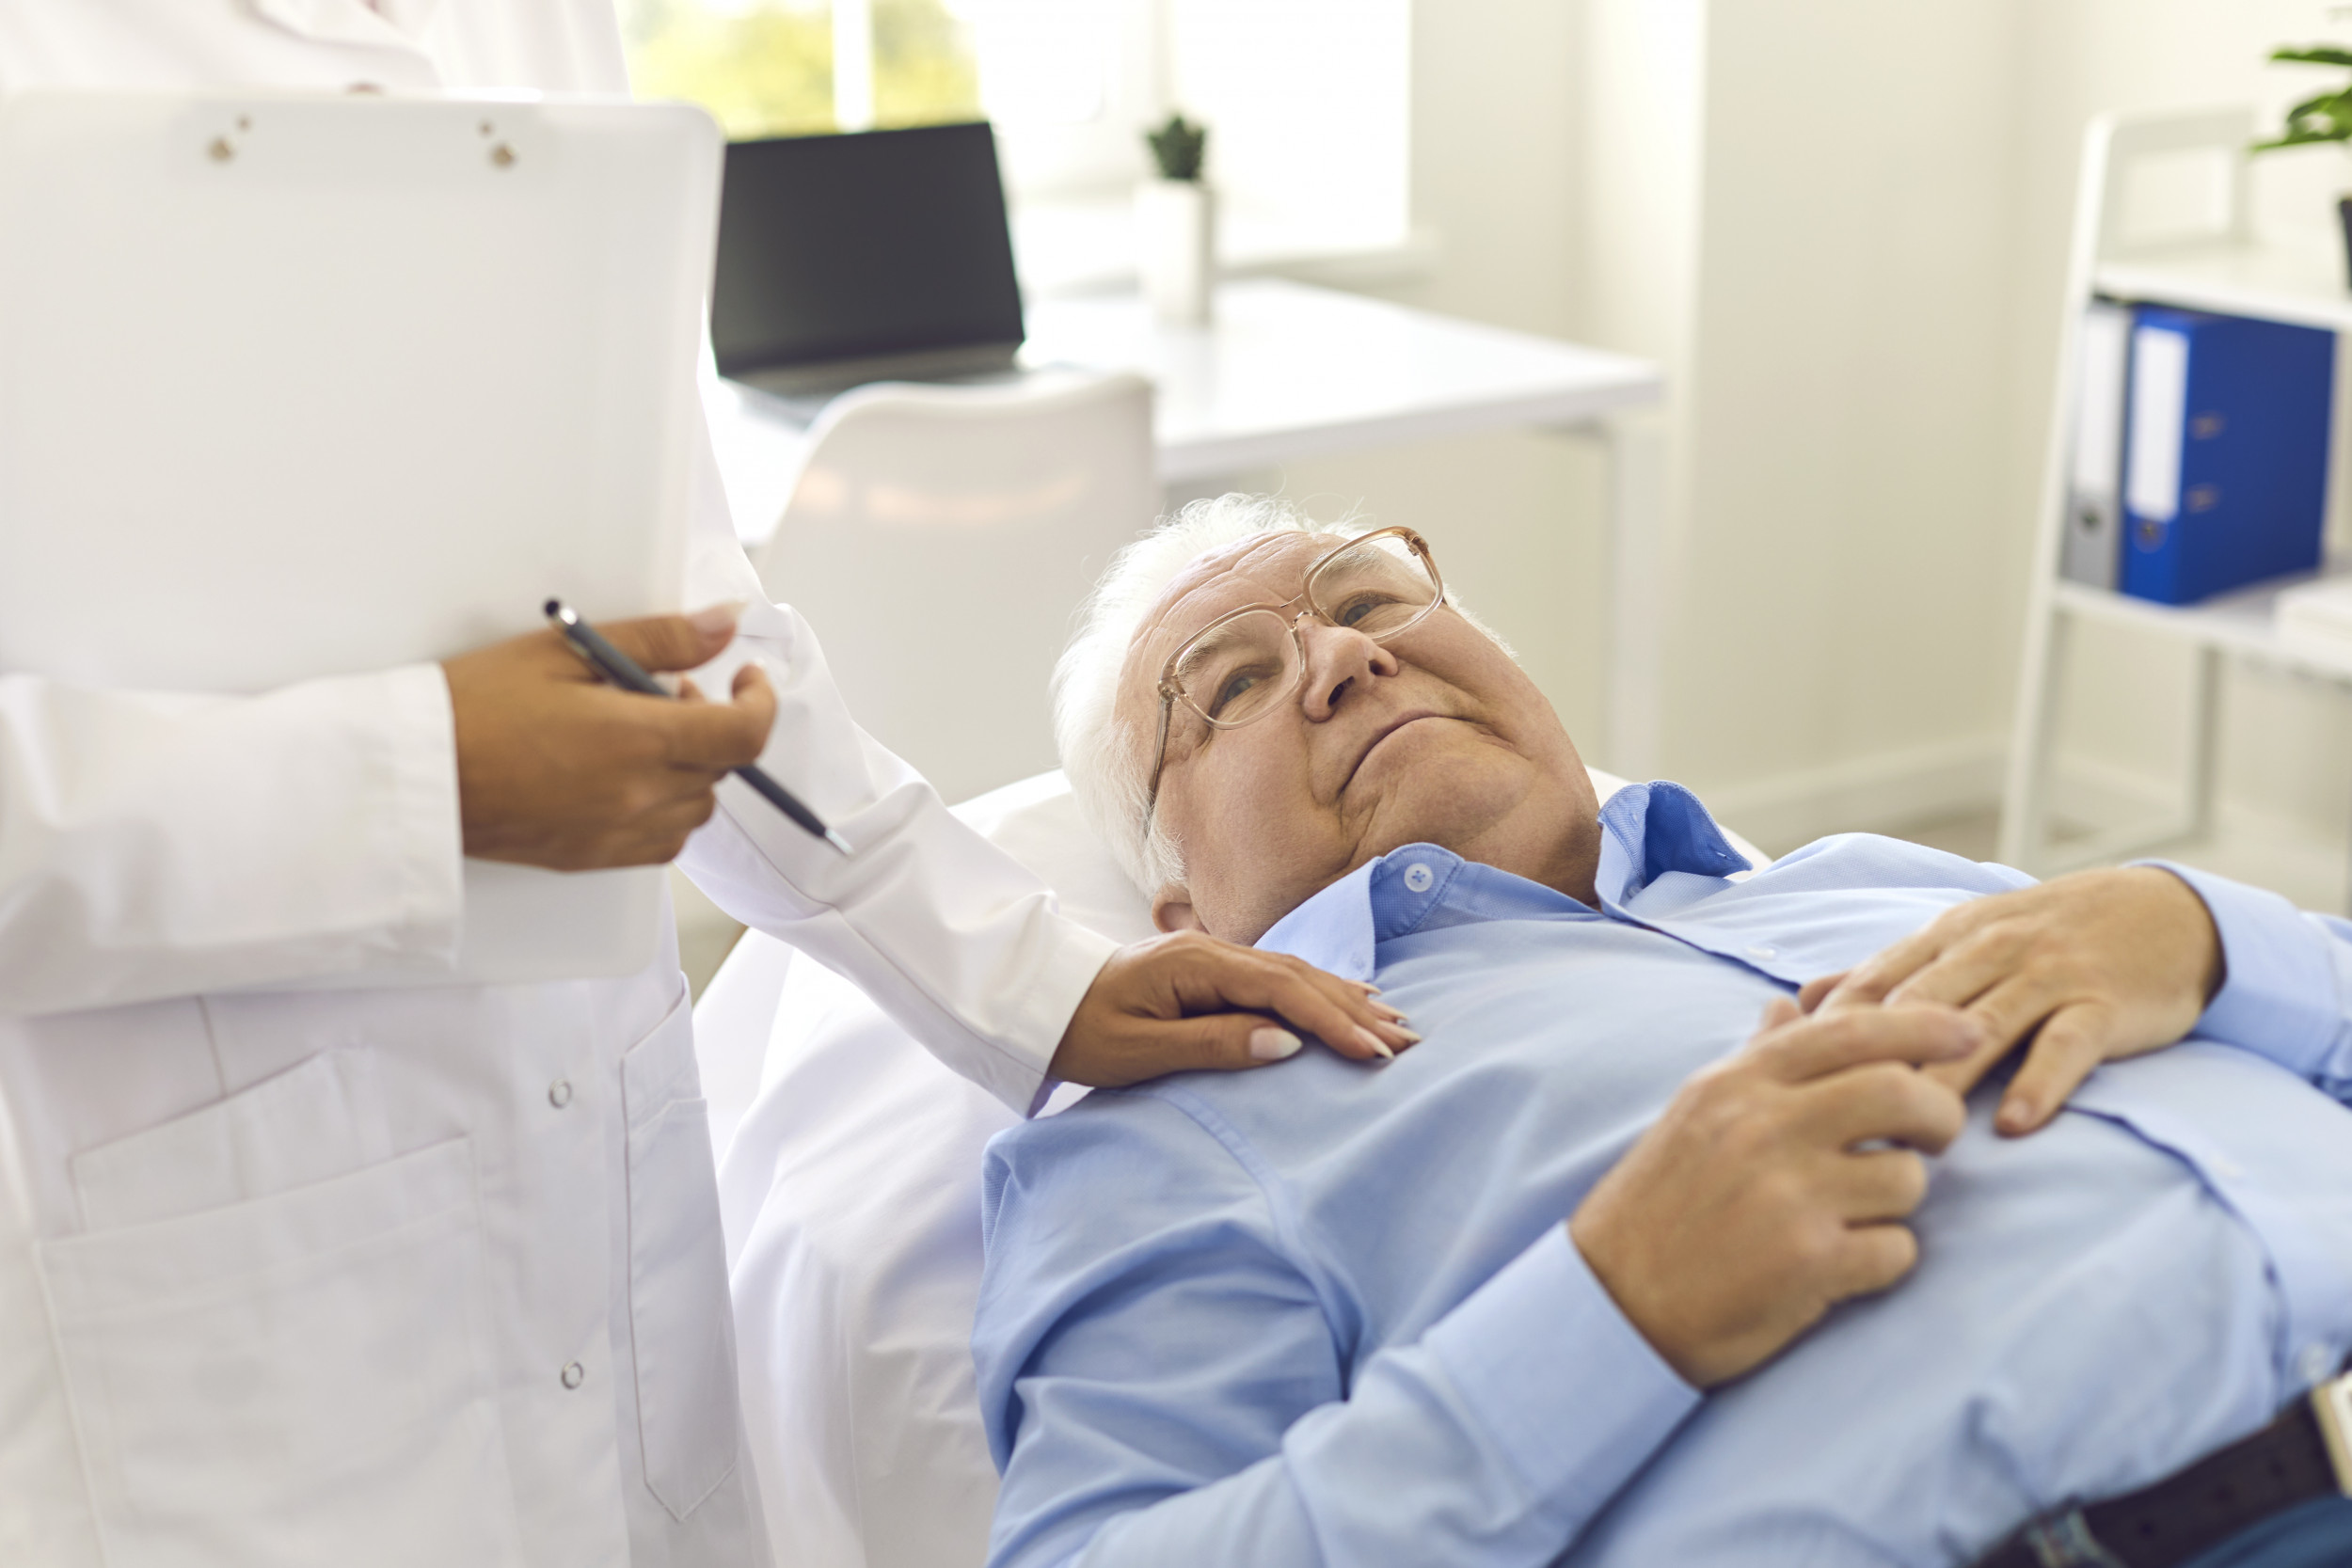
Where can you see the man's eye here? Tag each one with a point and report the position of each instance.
(1234, 688)
(1363, 606)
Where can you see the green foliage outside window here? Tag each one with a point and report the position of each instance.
(924, 72)
(765, 68)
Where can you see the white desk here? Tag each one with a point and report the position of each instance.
(1289, 371)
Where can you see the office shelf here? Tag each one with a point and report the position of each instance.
(2303, 284)
(2228, 270)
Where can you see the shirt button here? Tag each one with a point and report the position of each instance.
(560, 1093)
(2315, 1363)
(573, 1375)
(1762, 950)
(1419, 876)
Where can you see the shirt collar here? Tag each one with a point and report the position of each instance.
(1647, 829)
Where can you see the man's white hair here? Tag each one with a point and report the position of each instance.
(1108, 762)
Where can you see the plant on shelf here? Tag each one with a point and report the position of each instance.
(1176, 147)
(2325, 117)
(2321, 117)
(1176, 226)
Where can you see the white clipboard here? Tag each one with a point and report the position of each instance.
(295, 386)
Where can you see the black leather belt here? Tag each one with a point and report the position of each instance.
(2304, 1455)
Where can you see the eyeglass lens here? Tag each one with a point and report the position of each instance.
(1236, 671)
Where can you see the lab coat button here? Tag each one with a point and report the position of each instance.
(560, 1093)
(2315, 1363)
(1419, 876)
(573, 1375)
(1763, 951)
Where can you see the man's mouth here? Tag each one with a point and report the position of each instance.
(1411, 715)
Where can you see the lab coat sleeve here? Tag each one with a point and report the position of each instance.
(2287, 992)
(1163, 1375)
(155, 845)
(958, 942)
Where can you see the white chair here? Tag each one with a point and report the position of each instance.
(939, 539)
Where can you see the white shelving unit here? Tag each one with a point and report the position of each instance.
(2226, 269)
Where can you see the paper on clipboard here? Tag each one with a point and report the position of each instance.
(297, 386)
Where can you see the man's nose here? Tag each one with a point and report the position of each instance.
(1337, 660)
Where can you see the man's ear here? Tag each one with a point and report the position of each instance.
(1172, 911)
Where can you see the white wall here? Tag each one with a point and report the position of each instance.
(1842, 227)
(1497, 172)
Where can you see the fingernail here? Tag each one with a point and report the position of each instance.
(1379, 1046)
(1387, 1013)
(2015, 1113)
(1272, 1045)
(714, 619)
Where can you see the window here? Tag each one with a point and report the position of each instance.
(1305, 101)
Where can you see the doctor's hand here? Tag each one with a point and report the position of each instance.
(2088, 968)
(1775, 1184)
(1187, 1000)
(556, 768)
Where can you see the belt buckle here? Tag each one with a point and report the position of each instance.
(2331, 1402)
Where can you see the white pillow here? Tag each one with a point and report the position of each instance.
(851, 1195)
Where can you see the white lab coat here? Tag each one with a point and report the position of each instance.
(398, 1275)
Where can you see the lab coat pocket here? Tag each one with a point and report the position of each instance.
(302, 1378)
(678, 1279)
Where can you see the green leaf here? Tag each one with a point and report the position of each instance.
(2317, 54)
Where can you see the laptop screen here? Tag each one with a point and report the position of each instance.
(851, 247)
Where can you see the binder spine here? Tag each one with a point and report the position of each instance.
(2094, 511)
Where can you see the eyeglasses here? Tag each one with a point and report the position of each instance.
(1241, 666)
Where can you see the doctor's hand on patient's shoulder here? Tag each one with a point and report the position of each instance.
(556, 768)
(1775, 1184)
(2090, 968)
(1187, 1000)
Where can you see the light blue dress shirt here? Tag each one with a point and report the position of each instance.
(1331, 1314)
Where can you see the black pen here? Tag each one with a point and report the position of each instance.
(621, 671)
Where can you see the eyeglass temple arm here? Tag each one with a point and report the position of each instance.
(1159, 756)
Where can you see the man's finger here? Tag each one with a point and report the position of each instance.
(673, 641)
(1878, 1185)
(1882, 1102)
(1958, 973)
(1811, 994)
(1966, 1074)
(1832, 1043)
(2069, 1046)
(1869, 981)
(1872, 1258)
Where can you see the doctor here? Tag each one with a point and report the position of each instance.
(418, 1274)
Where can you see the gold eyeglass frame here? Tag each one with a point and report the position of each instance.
(1172, 690)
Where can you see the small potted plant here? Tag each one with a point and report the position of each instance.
(2325, 117)
(1176, 226)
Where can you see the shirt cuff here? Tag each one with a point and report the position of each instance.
(1050, 1002)
(1563, 1384)
(427, 834)
(2279, 998)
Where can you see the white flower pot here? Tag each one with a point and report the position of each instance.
(1176, 248)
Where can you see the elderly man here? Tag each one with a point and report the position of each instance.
(1340, 1320)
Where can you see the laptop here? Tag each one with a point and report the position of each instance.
(876, 255)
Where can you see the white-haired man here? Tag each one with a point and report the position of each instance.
(1231, 1322)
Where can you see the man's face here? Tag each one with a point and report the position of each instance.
(1435, 735)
